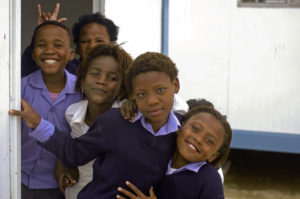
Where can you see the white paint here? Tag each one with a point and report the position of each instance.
(139, 22)
(10, 98)
(4, 105)
(245, 60)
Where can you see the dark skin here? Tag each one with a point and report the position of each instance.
(199, 140)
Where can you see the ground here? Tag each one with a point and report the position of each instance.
(262, 175)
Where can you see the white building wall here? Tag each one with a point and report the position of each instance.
(245, 60)
(139, 22)
(265, 70)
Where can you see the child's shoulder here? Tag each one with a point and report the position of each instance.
(34, 79)
(208, 171)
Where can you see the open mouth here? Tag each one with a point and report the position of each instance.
(192, 147)
(50, 61)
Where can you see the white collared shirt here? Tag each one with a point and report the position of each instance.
(75, 115)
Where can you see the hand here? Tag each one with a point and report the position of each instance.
(65, 177)
(129, 109)
(138, 194)
(28, 114)
(47, 16)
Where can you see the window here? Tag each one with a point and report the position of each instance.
(269, 3)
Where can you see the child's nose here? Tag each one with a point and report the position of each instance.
(199, 139)
(92, 44)
(152, 99)
(102, 80)
(49, 50)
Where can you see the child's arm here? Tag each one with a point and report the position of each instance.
(65, 177)
(47, 16)
(137, 194)
(28, 114)
(72, 152)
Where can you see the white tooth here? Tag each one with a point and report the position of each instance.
(192, 147)
(50, 61)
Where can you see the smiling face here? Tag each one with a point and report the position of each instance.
(52, 49)
(154, 94)
(199, 139)
(102, 81)
(91, 35)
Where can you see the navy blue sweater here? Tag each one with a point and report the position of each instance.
(206, 184)
(124, 151)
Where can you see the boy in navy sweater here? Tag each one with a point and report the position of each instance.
(137, 151)
(202, 144)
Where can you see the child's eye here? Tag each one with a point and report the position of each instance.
(196, 129)
(58, 45)
(112, 78)
(161, 90)
(41, 45)
(141, 95)
(209, 141)
(99, 41)
(94, 74)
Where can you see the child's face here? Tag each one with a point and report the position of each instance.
(52, 49)
(154, 95)
(102, 81)
(91, 35)
(200, 138)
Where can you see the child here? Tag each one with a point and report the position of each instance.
(124, 150)
(90, 30)
(50, 91)
(202, 143)
(100, 77)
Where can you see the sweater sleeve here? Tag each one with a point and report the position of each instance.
(78, 151)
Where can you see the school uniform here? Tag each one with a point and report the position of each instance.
(37, 164)
(193, 181)
(124, 151)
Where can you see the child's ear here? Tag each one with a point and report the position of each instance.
(71, 54)
(176, 85)
(77, 50)
(213, 156)
(82, 85)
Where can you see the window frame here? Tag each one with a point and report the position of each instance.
(256, 3)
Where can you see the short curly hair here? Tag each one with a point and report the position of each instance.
(147, 62)
(98, 18)
(120, 55)
(225, 147)
(55, 23)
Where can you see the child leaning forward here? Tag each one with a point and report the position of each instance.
(202, 143)
(123, 150)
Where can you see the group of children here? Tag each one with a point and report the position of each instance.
(161, 151)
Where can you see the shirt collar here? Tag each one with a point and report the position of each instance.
(171, 125)
(37, 81)
(76, 113)
(193, 166)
